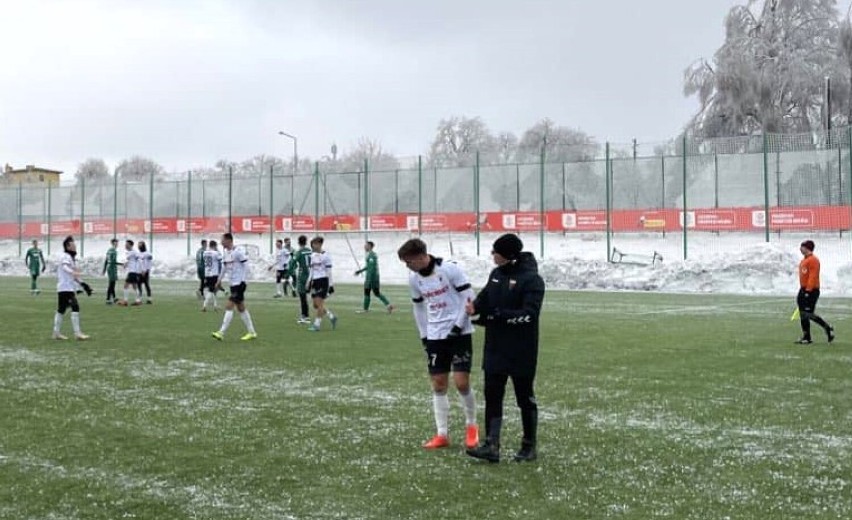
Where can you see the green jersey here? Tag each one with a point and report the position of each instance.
(111, 263)
(371, 267)
(34, 260)
(199, 261)
(301, 260)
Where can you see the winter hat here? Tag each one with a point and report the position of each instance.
(509, 246)
(809, 245)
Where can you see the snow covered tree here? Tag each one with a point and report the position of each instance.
(92, 170)
(769, 74)
(138, 169)
(458, 139)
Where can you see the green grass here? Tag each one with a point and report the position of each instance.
(652, 406)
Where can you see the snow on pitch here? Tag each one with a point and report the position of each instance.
(732, 264)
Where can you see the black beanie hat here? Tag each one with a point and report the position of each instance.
(509, 246)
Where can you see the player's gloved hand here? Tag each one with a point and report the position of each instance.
(86, 287)
(357, 273)
(455, 332)
(423, 341)
(331, 290)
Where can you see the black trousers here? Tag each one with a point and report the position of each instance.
(495, 391)
(144, 282)
(303, 302)
(807, 306)
(110, 296)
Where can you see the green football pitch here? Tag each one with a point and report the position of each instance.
(652, 406)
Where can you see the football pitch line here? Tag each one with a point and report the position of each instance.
(703, 308)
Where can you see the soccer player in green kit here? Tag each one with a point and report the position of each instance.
(371, 280)
(111, 270)
(34, 259)
(299, 265)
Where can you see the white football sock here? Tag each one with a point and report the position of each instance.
(246, 317)
(317, 322)
(126, 294)
(469, 405)
(57, 322)
(75, 322)
(441, 407)
(226, 321)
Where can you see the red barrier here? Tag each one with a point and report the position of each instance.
(817, 218)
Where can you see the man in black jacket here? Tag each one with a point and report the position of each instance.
(509, 306)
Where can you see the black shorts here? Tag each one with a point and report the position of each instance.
(210, 283)
(807, 304)
(319, 288)
(282, 275)
(454, 353)
(132, 278)
(238, 293)
(67, 299)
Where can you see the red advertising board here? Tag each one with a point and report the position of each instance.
(705, 219)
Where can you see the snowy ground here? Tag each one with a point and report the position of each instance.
(728, 263)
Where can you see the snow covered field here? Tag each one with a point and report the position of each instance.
(728, 263)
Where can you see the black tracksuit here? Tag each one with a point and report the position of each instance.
(509, 306)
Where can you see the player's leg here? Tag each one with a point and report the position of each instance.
(525, 397)
(227, 318)
(804, 317)
(377, 291)
(279, 286)
(239, 302)
(366, 306)
(829, 330)
(148, 287)
(75, 318)
(61, 307)
(461, 364)
(439, 360)
(33, 282)
(495, 390)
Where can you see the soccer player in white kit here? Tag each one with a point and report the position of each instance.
(131, 264)
(67, 282)
(440, 290)
(146, 261)
(281, 265)
(212, 259)
(236, 264)
(320, 284)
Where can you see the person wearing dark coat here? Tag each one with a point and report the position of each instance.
(508, 307)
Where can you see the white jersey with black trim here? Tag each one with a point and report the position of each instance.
(282, 259)
(236, 263)
(65, 281)
(212, 263)
(444, 293)
(320, 266)
(132, 261)
(146, 261)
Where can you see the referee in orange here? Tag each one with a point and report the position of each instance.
(809, 294)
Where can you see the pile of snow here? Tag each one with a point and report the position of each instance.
(733, 265)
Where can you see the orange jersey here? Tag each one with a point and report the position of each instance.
(809, 273)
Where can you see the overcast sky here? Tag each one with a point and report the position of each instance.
(189, 82)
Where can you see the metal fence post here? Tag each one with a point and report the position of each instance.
(608, 205)
(271, 207)
(151, 213)
(420, 194)
(766, 184)
(82, 216)
(189, 213)
(476, 201)
(230, 196)
(685, 203)
(542, 224)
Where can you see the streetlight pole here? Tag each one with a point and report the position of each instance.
(295, 150)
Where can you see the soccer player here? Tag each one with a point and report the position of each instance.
(809, 294)
(199, 268)
(212, 259)
(282, 266)
(320, 284)
(236, 263)
(111, 270)
(34, 259)
(146, 261)
(67, 282)
(131, 264)
(509, 307)
(300, 267)
(371, 280)
(292, 275)
(440, 290)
